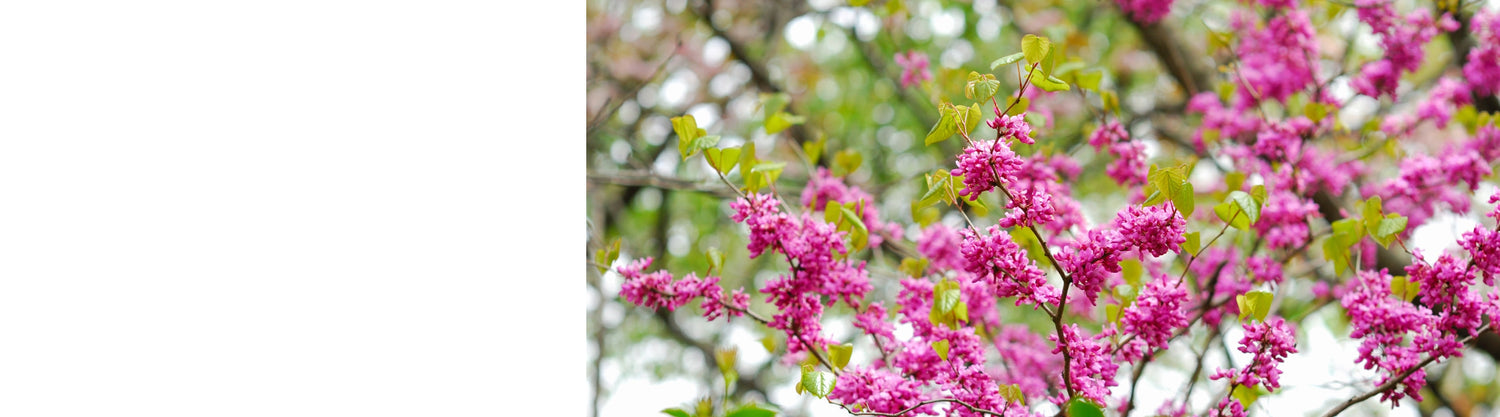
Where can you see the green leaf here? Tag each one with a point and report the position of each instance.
(607, 255)
(1234, 180)
(1110, 100)
(1007, 60)
(715, 260)
(1112, 313)
(675, 412)
(722, 160)
(687, 133)
(846, 161)
(1390, 228)
(1232, 214)
(969, 117)
(981, 87)
(1048, 83)
(1130, 271)
(1191, 245)
(1022, 104)
(1259, 192)
(941, 347)
(1183, 199)
(1034, 48)
(914, 267)
(945, 301)
(779, 121)
(1246, 395)
(751, 411)
(832, 212)
(946, 126)
(840, 354)
(1246, 203)
(1079, 407)
(1012, 394)
(1404, 288)
(1089, 80)
(1371, 214)
(926, 216)
(819, 383)
(772, 103)
(1257, 303)
(747, 158)
(769, 342)
(814, 149)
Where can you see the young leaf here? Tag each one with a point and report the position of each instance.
(751, 411)
(1245, 395)
(1257, 303)
(945, 127)
(1021, 106)
(814, 149)
(1048, 83)
(1234, 180)
(1012, 394)
(1247, 205)
(687, 132)
(779, 121)
(941, 347)
(914, 267)
(981, 87)
(846, 161)
(1112, 313)
(818, 383)
(675, 412)
(1034, 48)
(839, 355)
(1089, 80)
(715, 260)
(1007, 60)
(1191, 245)
(1079, 407)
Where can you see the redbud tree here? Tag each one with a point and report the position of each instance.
(1036, 208)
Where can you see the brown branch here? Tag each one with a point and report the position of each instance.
(1192, 74)
(647, 179)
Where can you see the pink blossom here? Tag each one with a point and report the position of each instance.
(1129, 166)
(913, 68)
(879, 390)
(1090, 369)
(1145, 11)
(1004, 265)
(1158, 311)
(1482, 68)
(940, 245)
(986, 164)
(1155, 229)
(1279, 60)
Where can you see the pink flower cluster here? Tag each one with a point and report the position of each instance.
(1449, 306)
(1283, 220)
(1129, 167)
(913, 68)
(1004, 265)
(1155, 229)
(809, 246)
(1270, 342)
(1158, 311)
(1402, 41)
(1425, 181)
(1090, 370)
(658, 290)
(1278, 60)
(879, 390)
(986, 164)
(1145, 11)
(1092, 259)
(1443, 100)
(1482, 69)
